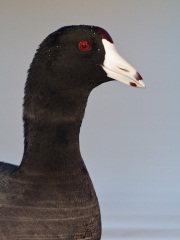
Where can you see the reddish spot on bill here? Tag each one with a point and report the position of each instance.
(138, 76)
(133, 84)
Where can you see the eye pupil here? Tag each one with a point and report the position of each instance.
(84, 46)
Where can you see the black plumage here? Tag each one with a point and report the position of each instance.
(50, 195)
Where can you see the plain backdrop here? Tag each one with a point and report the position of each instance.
(130, 138)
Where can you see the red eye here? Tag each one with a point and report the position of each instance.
(84, 46)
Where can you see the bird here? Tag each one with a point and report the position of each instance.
(50, 195)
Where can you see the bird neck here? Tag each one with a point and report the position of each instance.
(52, 124)
(52, 162)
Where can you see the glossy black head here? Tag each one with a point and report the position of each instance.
(71, 57)
(69, 63)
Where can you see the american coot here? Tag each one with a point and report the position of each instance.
(50, 195)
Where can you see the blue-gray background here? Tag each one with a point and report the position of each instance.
(130, 137)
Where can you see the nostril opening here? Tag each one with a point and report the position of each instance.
(138, 76)
(123, 69)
